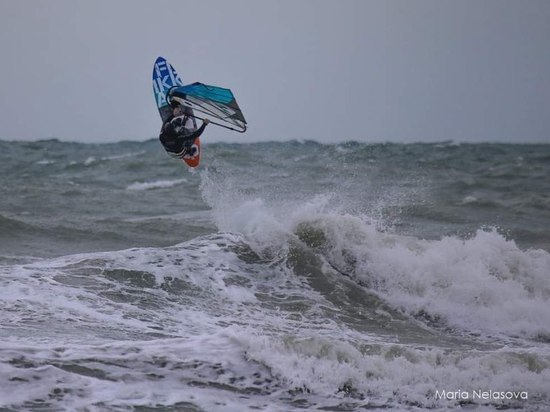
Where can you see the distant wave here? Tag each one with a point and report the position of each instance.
(11, 226)
(92, 159)
(158, 184)
(123, 155)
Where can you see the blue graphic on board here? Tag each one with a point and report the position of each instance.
(164, 78)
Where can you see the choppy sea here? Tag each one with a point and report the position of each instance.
(276, 277)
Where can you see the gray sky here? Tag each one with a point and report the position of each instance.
(388, 70)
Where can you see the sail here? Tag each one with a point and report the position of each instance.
(215, 103)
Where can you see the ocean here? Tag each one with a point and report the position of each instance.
(278, 276)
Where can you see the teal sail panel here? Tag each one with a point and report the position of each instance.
(215, 103)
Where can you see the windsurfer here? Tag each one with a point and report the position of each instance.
(178, 134)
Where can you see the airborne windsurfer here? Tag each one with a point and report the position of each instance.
(179, 132)
(180, 105)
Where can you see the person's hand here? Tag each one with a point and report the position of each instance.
(206, 121)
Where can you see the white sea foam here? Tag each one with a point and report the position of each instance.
(123, 155)
(469, 199)
(160, 372)
(157, 184)
(89, 161)
(45, 162)
(398, 373)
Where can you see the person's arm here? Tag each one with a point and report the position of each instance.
(196, 133)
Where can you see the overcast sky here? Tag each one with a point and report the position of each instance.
(388, 70)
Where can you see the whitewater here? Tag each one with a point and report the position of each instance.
(279, 276)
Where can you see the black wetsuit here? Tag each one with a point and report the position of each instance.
(176, 139)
